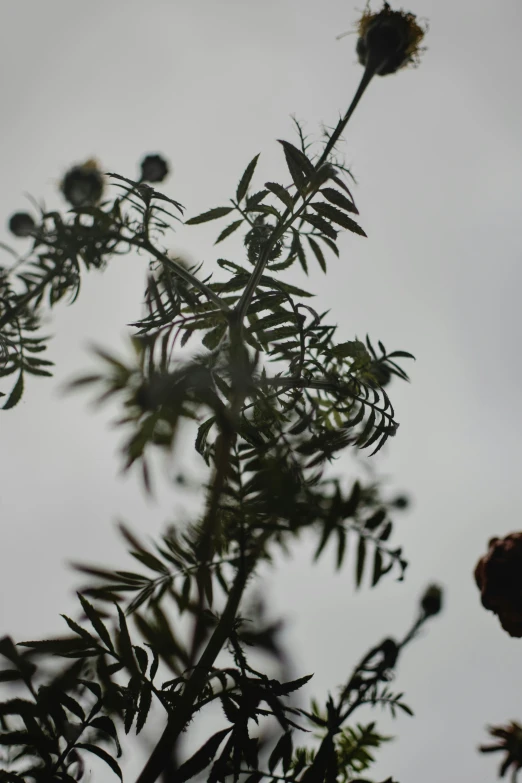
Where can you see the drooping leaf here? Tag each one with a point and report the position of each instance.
(103, 755)
(16, 393)
(301, 169)
(318, 253)
(106, 724)
(212, 214)
(282, 752)
(202, 757)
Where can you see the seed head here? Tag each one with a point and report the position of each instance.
(154, 168)
(21, 224)
(83, 184)
(388, 40)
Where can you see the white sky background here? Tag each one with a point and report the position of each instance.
(437, 156)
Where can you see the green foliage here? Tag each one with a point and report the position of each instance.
(274, 396)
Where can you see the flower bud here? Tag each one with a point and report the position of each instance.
(154, 168)
(21, 224)
(388, 40)
(498, 575)
(401, 502)
(83, 184)
(431, 601)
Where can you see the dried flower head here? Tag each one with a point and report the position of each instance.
(498, 575)
(388, 40)
(510, 737)
(154, 168)
(21, 224)
(83, 184)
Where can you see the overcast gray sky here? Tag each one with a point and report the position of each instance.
(436, 152)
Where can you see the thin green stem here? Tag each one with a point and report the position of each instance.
(369, 73)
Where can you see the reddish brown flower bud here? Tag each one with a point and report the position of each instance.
(499, 578)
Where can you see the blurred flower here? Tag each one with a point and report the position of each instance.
(510, 737)
(388, 40)
(83, 184)
(431, 601)
(154, 168)
(498, 575)
(21, 224)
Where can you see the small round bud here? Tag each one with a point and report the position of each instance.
(431, 601)
(401, 502)
(83, 184)
(21, 224)
(154, 168)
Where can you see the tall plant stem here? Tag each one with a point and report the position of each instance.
(369, 73)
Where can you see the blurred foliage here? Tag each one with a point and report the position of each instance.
(274, 397)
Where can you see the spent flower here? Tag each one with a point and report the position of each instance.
(388, 40)
(83, 184)
(154, 168)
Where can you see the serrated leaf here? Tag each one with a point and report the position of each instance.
(16, 393)
(228, 230)
(281, 193)
(334, 214)
(318, 253)
(202, 757)
(361, 559)
(143, 707)
(284, 688)
(212, 214)
(321, 225)
(337, 198)
(353, 348)
(71, 704)
(281, 752)
(103, 755)
(81, 632)
(255, 199)
(141, 657)
(246, 179)
(125, 644)
(96, 622)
